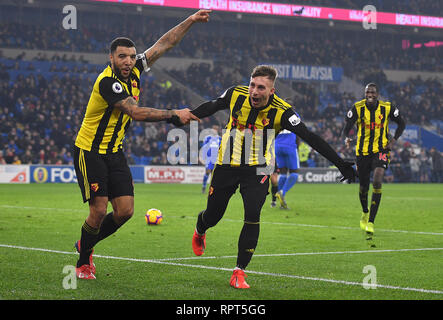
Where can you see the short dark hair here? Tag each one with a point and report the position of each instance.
(264, 71)
(372, 84)
(121, 42)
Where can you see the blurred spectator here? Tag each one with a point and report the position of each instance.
(414, 163)
(16, 160)
(303, 153)
(437, 165)
(2, 159)
(425, 166)
(405, 156)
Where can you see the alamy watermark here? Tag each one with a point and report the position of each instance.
(70, 20)
(69, 281)
(256, 143)
(370, 281)
(369, 17)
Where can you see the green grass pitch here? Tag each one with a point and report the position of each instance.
(314, 251)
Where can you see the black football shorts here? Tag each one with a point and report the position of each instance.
(365, 164)
(106, 175)
(225, 180)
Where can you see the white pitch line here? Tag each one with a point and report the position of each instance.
(42, 208)
(241, 221)
(305, 254)
(159, 261)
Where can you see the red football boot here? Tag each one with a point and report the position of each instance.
(91, 262)
(198, 243)
(85, 272)
(238, 279)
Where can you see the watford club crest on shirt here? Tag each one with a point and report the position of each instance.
(94, 187)
(265, 122)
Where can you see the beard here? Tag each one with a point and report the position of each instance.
(118, 72)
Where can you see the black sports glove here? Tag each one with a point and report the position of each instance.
(348, 172)
(175, 120)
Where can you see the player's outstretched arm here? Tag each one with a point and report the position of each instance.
(173, 36)
(130, 107)
(293, 123)
(208, 108)
(322, 147)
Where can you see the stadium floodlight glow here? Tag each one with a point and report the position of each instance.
(283, 9)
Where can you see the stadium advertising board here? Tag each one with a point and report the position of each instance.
(66, 174)
(53, 174)
(285, 9)
(418, 135)
(14, 174)
(174, 174)
(308, 73)
(318, 175)
(138, 174)
(141, 174)
(412, 134)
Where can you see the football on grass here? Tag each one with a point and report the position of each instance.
(153, 216)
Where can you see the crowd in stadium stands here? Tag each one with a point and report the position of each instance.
(317, 47)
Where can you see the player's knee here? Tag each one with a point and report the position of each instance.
(252, 216)
(364, 189)
(127, 212)
(210, 218)
(123, 213)
(274, 178)
(97, 211)
(249, 235)
(376, 184)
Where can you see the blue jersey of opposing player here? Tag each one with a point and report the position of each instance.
(286, 152)
(210, 151)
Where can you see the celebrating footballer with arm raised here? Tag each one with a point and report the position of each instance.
(102, 171)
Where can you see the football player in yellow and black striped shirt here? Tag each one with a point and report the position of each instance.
(101, 167)
(372, 147)
(257, 114)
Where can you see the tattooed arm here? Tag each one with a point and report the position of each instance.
(130, 107)
(173, 36)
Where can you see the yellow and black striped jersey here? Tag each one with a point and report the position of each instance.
(249, 134)
(372, 125)
(104, 126)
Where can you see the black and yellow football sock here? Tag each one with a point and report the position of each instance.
(87, 242)
(201, 226)
(363, 195)
(247, 243)
(274, 190)
(375, 202)
(107, 227)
